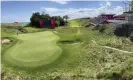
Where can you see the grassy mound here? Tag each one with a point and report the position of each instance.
(74, 23)
(33, 50)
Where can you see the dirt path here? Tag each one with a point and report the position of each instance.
(112, 48)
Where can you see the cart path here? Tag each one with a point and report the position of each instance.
(112, 48)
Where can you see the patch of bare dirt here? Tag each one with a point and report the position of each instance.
(5, 41)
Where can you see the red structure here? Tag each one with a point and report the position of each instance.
(41, 24)
(52, 24)
(108, 16)
(47, 24)
(119, 17)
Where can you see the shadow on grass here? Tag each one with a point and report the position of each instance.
(70, 41)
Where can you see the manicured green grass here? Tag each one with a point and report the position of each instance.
(67, 33)
(70, 33)
(74, 23)
(34, 49)
(79, 60)
(30, 29)
(33, 29)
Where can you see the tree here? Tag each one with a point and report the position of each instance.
(61, 21)
(35, 19)
(66, 17)
(47, 17)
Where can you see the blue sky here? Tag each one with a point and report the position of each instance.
(21, 11)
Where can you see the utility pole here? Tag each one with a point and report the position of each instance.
(125, 6)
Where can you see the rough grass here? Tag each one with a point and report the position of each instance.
(105, 63)
(7, 32)
(11, 25)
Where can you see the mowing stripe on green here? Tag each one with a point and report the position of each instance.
(34, 50)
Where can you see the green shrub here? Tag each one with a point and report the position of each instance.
(105, 28)
(123, 30)
(131, 36)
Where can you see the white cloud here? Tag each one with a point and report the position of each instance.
(85, 12)
(108, 3)
(105, 7)
(118, 9)
(73, 13)
(60, 1)
(49, 9)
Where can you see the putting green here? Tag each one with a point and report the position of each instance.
(34, 49)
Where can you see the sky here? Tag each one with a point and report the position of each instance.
(21, 11)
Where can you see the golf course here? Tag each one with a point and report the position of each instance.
(66, 40)
(34, 49)
(71, 52)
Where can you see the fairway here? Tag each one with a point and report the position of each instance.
(33, 50)
(74, 23)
